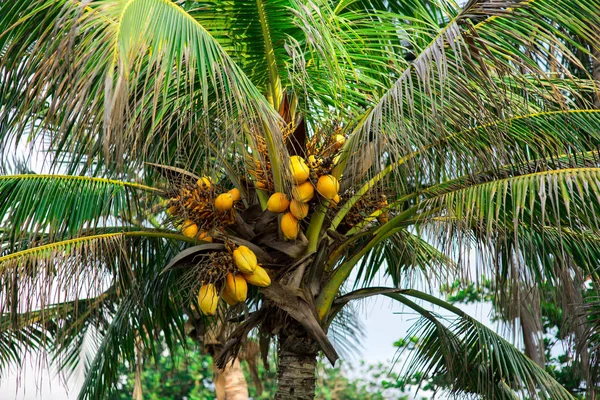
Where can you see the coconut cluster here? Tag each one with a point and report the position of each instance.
(207, 211)
(233, 288)
(201, 210)
(303, 191)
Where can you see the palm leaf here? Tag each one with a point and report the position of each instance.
(57, 206)
(556, 197)
(59, 293)
(462, 68)
(407, 259)
(141, 85)
(45, 275)
(254, 34)
(497, 370)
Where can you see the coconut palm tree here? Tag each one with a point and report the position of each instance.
(418, 140)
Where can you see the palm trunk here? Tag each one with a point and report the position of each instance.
(296, 376)
(297, 355)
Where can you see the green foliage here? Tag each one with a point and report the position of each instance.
(559, 346)
(187, 374)
(478, 145)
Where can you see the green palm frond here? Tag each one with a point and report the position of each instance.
(565, 197)
(58, 331)
(347, 332)
(407, 259)
(468, 67)
(141, 84)
(58, 206)
(254, 34)
(349, 57)
(471, 359)
(15, 344)
(56, 298)
(151, 303)
(42, 276)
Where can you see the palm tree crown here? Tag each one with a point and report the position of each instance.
(407, 135)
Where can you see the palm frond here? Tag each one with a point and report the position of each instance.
(348, 57)
(68, 270)
(475, 67)
(564, 197)
(407, 259)
(140, 84)
(71, 293)
(40, 208)
(450, 347)
(253, 34)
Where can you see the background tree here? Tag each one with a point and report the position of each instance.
(188, 374)
(444, 130)
(562, 357)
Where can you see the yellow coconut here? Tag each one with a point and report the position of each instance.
(205, 183)
(245, 259)
(235, 193)
(224, 202)
(335, 201)
(290, 226)
(383, 218)
(259, 277)
(228, 299)
(298, 209)
(304, 192)
(208, 299)
(328, 186)
(189, 229)
(278, 202)
(299, 169)
(236, 287)
(203, 235)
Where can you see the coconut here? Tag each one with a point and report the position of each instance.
(224, 202)
(189, 229)
(259, 277)
(304, 192)
(278, 202)
(245, 259)
(236, 287)
(235, 193)
(299, 169)
(298, 209)
(328, 186)
(208, 299)
(290, 226)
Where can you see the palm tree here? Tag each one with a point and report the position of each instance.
(444, 142)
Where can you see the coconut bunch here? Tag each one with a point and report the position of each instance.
(227, 277)
(371, 205)
(202, 212)
(303, 191)
(236, 233)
